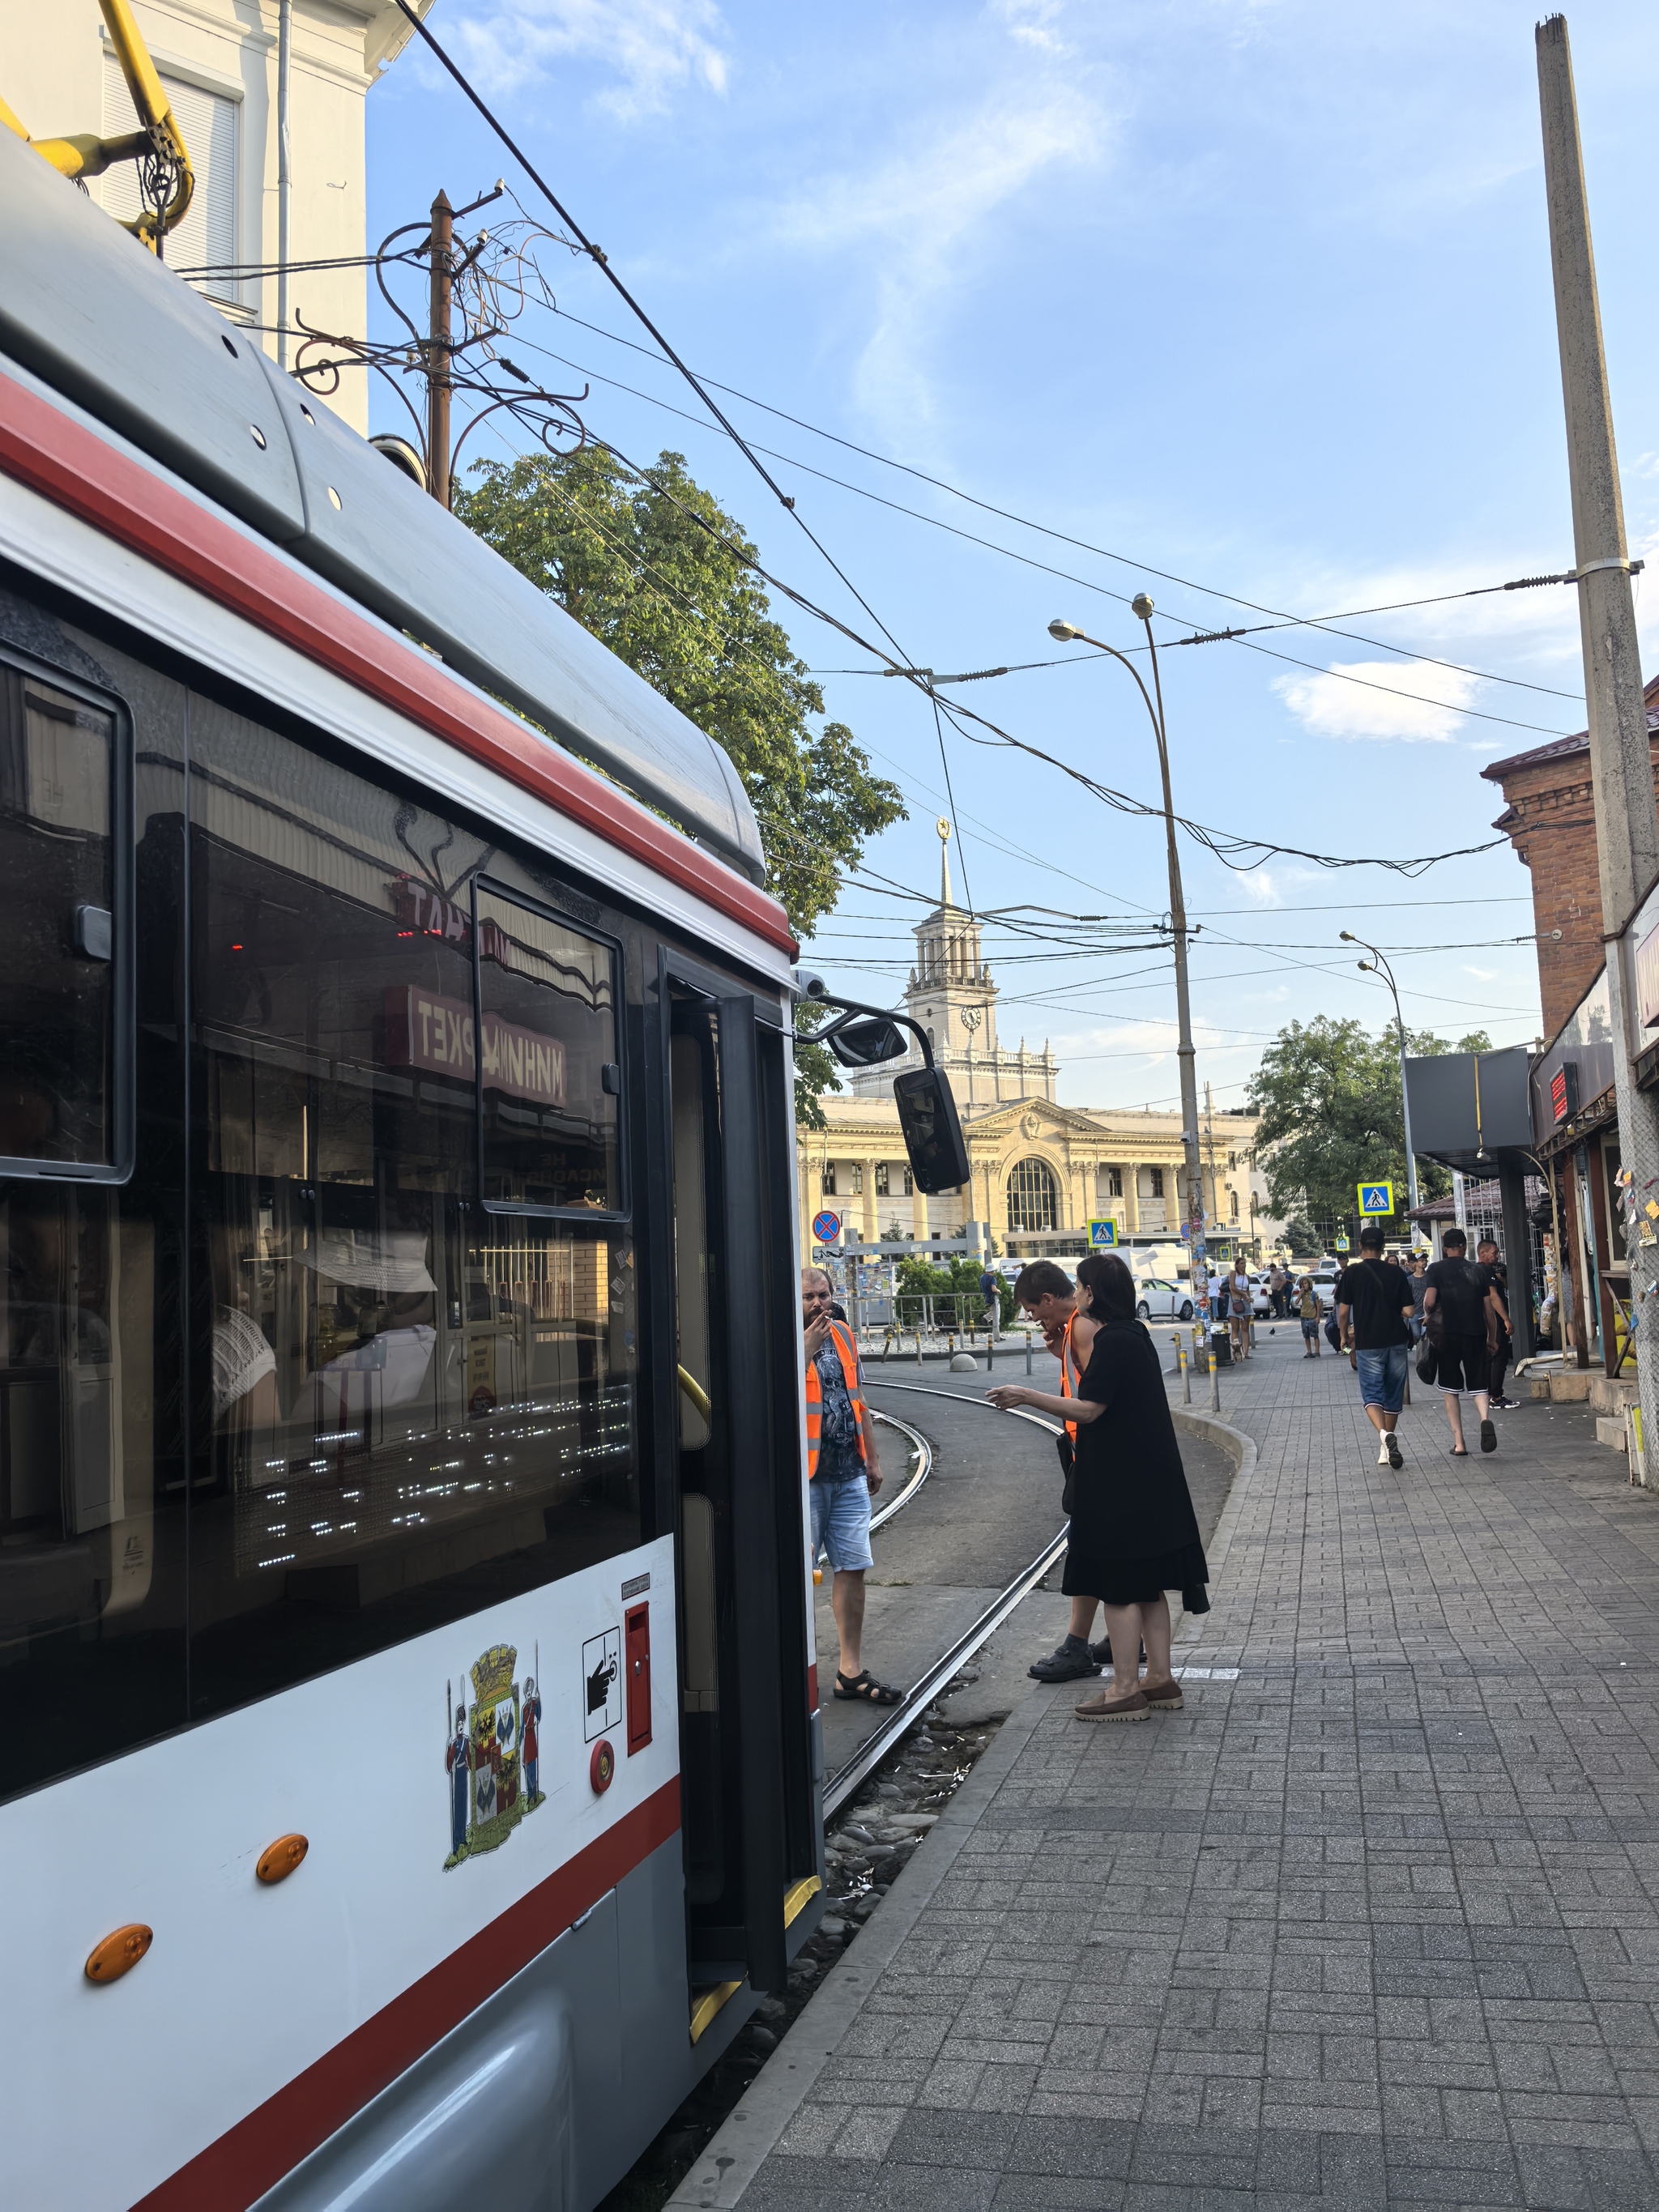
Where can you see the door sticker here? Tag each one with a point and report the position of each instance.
(602, 1683)
(491, 1758)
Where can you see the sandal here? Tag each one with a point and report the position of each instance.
(864, 1687)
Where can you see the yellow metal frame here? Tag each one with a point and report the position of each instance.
(86, 155)
(708, 2003)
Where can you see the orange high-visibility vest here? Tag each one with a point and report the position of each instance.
(1068, 1372)
(846, 1352)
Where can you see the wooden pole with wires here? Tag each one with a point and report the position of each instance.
(440, 249)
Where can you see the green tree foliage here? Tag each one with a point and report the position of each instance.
(624, 555)
(919, 1278)
(1329, 1095)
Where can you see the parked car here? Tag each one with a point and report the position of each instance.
(1162, 1301)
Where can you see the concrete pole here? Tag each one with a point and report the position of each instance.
(1621, 773)
(438, 365)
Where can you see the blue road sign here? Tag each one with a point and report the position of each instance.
(1103, 1236)
(1376, 1198)
(826, 1227)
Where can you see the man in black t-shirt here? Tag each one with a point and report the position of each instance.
(1486, 1254)
(1373, 1306)
(1469, 1308)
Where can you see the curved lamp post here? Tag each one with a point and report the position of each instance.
(1376, 965)
(1065, 633)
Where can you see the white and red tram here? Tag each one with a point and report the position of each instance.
(409, 1771)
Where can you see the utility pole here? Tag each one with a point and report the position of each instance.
(439, 245)
(1621, 773)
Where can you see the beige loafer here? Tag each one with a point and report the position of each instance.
(1135, 1707)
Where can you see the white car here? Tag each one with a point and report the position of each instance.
(1161, 1301)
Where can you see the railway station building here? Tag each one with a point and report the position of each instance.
(1041, 1170)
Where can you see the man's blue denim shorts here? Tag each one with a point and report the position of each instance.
(841, 1523)
(1383, 1376)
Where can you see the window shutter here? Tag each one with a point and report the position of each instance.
(206, 239)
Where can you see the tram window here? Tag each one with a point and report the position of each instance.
(548, 1076)
(414, 1406)
(61, 1105)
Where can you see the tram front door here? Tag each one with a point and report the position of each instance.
(746, 1761)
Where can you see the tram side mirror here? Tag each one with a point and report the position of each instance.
(866, 1041)
(933, 1135)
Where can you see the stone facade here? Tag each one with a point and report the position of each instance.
(1551, 821)
(1033, 1161)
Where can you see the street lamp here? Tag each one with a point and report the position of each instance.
(1376, 965)
(1065, 633)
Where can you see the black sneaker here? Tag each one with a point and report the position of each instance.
(1101, 1653)
(1396, 1460)
(1488, 1436)
(1071, 1663)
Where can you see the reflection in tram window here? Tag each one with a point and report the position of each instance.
(547, 996)
(58, 1100)
(417, 1405)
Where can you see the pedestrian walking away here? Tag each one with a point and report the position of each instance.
(1046, 1293)
(1279, 1291)
(1461, 1326)
(1241, 1299)
(1485, 1253)
(1374, 1311)
(1307, 1307)
(990, 1290)
(844, 1470)
(1417, 1277)
(1134, 1535)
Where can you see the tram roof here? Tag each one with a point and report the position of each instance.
(96, 318)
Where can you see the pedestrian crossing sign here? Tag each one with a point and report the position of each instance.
(1376, 1198)
(1103, 1236)
(1339, 1243)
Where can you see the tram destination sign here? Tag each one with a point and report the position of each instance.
(426, 1031)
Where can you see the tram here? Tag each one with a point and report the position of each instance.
(411, 1751)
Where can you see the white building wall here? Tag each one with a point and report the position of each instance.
(57, 74)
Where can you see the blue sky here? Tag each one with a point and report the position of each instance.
(1257, 295)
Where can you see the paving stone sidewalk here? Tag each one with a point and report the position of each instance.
(1374, 1925)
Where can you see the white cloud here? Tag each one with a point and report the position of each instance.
(1414, 701)
(1031, 23)
(923, 216)
(648, 48)
(1480, 975)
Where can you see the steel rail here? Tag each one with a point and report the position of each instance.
(839, 1786)
(924, 1468)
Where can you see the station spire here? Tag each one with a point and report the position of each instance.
(943, 827)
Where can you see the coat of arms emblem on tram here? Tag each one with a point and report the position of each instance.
(492, 1759)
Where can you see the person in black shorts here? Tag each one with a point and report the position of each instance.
(1461, 1294)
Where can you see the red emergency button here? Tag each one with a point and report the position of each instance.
(601, 1767)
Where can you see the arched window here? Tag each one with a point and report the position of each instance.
(1033, 1197)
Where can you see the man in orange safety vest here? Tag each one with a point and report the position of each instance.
(844, 1470)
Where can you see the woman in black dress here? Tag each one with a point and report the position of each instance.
(1134, 1534)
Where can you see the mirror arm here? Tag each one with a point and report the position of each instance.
(852, 1008)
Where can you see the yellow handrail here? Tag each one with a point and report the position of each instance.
(159, 145)
(694, 1391)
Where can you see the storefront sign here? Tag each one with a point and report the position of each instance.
(426, 1031)
(1564, 1091)
(420, 911)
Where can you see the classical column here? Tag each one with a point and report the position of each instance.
(1132, 1199)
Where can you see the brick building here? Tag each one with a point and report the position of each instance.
(1551, 822)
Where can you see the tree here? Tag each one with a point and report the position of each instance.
(1329, 1095)
(655, 568)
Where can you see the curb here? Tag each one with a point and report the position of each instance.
(728, 2164)
(1241, 1450)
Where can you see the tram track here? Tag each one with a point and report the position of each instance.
(840, 1785)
